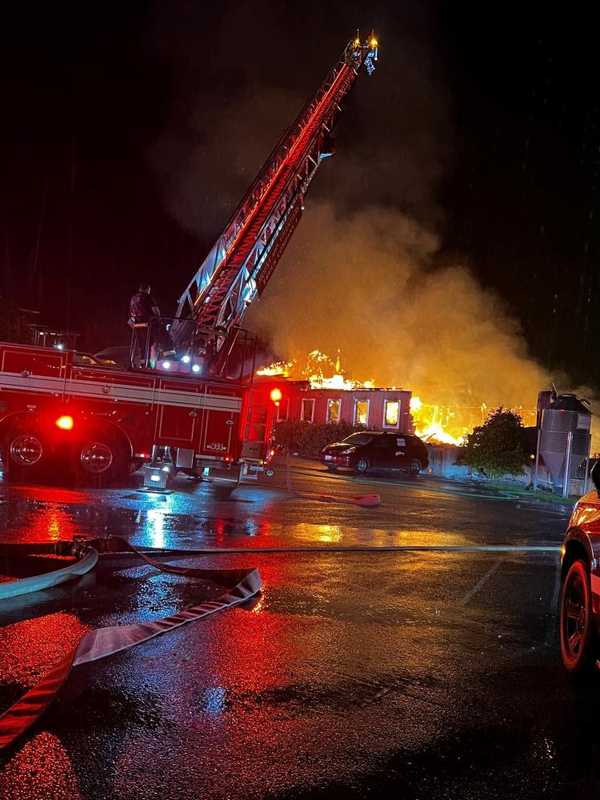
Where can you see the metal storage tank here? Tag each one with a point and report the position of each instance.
(565, 415)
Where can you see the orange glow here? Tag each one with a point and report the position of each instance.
(440, 415)
(65, 423)
(276, 395)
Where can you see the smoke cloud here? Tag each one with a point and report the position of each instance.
(366, 283)
(362, 272)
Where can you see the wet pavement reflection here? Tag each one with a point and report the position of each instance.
(352, 675)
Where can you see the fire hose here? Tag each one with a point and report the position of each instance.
(96, 644)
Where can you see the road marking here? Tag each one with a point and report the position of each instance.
(484, 578)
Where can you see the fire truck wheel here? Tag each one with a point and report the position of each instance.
(24, 454)
(362, 466)
(102, 460)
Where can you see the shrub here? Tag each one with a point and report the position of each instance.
(497, 447)
(308, 439)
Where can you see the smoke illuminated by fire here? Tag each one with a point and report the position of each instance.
(368, 284)
(432, 422)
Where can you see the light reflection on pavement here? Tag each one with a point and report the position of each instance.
(353, 674)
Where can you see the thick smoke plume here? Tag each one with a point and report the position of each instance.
(365, 283)
(362, 272)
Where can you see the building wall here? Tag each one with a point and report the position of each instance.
(327, 405)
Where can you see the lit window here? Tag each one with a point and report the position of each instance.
(307, 412)
(392, 413)
(334, 410)
(361, 412)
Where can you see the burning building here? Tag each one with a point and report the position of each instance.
(319, 391)
(380, 409)
(318, 399)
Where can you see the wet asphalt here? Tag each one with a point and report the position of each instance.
(427, 671)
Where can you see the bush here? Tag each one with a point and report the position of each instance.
(497, 447)
(308, 439)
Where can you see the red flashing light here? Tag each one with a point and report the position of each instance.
(65, 423)
(276, 395)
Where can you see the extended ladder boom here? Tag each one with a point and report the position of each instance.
(243, 259)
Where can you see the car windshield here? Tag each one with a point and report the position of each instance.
(358, 439)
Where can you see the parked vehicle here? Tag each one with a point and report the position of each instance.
(580, 584)
(374, 450)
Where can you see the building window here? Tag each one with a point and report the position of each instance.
(334, 410)
(391, 413)
(307, 412)
(361, 412)
(282, 409)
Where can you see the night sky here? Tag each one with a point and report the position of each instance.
(130, 130)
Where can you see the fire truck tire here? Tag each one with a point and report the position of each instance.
(362, 466)
(24, 453)
(102, 459)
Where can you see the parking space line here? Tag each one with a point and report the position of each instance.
(484, 578)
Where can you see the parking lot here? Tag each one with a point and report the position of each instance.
(406, 650)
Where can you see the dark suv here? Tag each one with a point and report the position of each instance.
(374, 450)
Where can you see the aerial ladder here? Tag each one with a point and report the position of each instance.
(241, 262)
(65, 413)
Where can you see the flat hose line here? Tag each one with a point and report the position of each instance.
(87, 559)
(103, 642)
(351, 548)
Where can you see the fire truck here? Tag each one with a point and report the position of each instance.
(197, 409)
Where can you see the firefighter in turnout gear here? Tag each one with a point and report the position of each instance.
(144, 320)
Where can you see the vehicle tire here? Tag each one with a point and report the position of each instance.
(362, 465)
(414, 468)
(331, 468)
(102, 460)
(578, 645)
(24, 454)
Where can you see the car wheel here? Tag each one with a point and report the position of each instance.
(362, 466)
(578, 647)
(414, 468)
(24, 454)
(331, 468)
(102, 460)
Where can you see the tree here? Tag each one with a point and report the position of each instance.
(497, 448)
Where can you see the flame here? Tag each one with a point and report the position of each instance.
(432, 423)
(278, 369)
(334, 382)
(446, 422)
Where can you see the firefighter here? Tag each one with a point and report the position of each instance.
(144, 320)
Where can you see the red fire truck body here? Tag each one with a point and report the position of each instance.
(59, 407)
(102, 421)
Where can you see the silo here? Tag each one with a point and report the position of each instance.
(565, 415)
